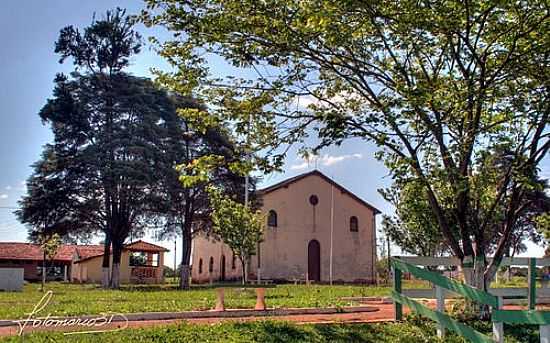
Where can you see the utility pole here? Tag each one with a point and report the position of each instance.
(331, 229)
(175, 260)
(246, 200)
(389, 255)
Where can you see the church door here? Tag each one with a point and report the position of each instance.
(314, 260)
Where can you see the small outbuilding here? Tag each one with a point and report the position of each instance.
(141, 262)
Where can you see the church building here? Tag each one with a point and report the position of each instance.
(316, 230)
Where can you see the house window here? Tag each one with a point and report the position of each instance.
(313, 200)
(211, 265)
(200, 266)
(138, 259)
(353, 224)
(144, 259)
(155, 260)
(234, 262)
(272, 219)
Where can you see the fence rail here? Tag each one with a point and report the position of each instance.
(453, 261)
(444, 287)
(510, 295)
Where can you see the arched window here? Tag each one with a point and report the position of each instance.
(234, 262)
(200, 266)
(272, 218)
(211, 265)
(353, 224)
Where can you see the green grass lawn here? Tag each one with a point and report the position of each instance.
(413, 331)
(80, 299)
(76, 299)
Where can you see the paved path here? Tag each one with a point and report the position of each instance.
(384, 313)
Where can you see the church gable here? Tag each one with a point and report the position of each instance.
(288, 183)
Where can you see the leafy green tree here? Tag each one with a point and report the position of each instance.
(413, 227)
(382, 269)
(185, 210)
(53, 201)
(543, 223)
(49, 243)
(113, 152)
(110, 136)
(440, 87)
(237, 225)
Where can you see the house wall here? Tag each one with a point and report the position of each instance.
(284, 252)
(30, 268)
(91, 270)
(207, 248)
(11, 279)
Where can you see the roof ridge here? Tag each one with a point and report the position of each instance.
(298, 177)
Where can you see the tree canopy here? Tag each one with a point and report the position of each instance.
(441, 87)
(237, 225)
(183, 209)
(110, 131)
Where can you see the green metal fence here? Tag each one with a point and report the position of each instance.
(445, 322)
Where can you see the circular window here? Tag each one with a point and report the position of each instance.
(313, 200)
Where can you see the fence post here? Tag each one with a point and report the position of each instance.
(220, 299)
(498, 327)
(532, 275)
(260, 299)
(440, 296)
(398, 308)
(545, 334)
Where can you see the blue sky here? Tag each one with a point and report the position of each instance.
(29, 65)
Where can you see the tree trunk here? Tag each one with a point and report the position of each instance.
(106, 262)
(243, 270)
(473, 269)
(478, 276)
(185, 258)
(115, 280)
(184, 276)
(43, 270)
(115, 273)
(479, 281)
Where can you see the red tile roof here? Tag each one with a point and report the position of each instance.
(144, 246)
(31, 251)
(88, 251)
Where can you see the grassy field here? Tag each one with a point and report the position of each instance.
(75, 299)
(411, 331)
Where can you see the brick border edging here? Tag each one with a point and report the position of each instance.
(230, 313)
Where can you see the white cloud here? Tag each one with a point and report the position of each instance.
(8, 188)
(300, 166)
(325, 160)
(3, 196)
(305, 101)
